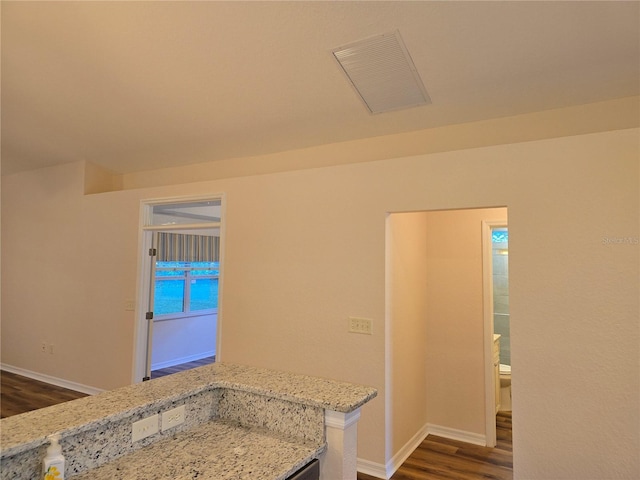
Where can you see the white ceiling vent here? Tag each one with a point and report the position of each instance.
(382, 72)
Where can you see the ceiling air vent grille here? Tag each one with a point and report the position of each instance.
(382, 72)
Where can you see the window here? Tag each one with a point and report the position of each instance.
(499, 235)
(185, 288)
(187, 271)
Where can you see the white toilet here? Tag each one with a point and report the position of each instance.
(505, 387)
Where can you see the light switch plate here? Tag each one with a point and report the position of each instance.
(145, 427)
(360, 325)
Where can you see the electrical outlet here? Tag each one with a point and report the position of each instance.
(43, 347)
(172, 418)
(143, 428)
(360, 325)
(129, 305)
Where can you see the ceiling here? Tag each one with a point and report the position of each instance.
(134, 86)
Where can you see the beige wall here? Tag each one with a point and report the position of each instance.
(69, 264)
(306, 249)
(406, 327)
(455, 318)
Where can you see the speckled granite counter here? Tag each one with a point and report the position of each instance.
(211, 451)
(283, 412)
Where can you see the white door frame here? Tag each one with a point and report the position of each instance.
(487, 292)
(143, 287)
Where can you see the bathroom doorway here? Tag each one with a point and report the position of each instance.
(495, 260)
(500, 279)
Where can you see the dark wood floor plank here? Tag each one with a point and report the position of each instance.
(20, 394)
(163, 372)
(458, 466)
(494, 456)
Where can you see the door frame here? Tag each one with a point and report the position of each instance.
(487, 293)
(141, 348)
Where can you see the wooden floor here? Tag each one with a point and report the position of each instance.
(20, 394)
(180, 368)
(438, 458)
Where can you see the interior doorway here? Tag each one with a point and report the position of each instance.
(436, 320)
(183, 299)
(179, 293)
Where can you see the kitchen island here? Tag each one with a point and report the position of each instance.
(237, 422)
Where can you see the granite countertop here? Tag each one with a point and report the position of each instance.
(26, 431)
(214, 450)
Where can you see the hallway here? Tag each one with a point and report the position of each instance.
(438, 458)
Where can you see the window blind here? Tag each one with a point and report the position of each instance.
(179, 247)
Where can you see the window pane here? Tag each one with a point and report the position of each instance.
(170, 269)
(173, 264)
(170, 273)
(499, 235)
(198, 273)
(168, 297)
(204, 294)
(205, 268)
(204, 264)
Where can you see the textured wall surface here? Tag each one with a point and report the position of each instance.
(305, 250)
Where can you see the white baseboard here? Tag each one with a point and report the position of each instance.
(408, 448)
(178, 361)
(385, 472)
(78, 387)
(454, 434)
(367, 467)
